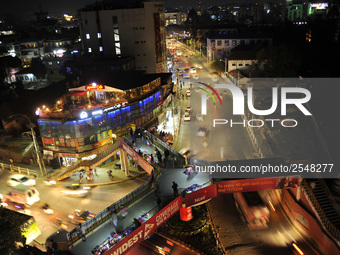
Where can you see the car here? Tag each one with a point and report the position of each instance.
(186, 116)
(180, 73)
(200, 67)
(192, 70)
(75, 190)
(202, 132)
(199, 117)
(15, 179)
(188, 93)
(80, 216)
(188, 108)
(196, 77)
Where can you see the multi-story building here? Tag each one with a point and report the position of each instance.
(175, 18)
(241, 60)
(295, 11)
(218, 47)
(125, 29)
(89, 118)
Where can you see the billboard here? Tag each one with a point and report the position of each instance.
(147, 228)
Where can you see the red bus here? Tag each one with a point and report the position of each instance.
(253, 209)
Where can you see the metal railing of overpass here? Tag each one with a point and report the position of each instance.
(180, 160)
(92, 224)
(70, 170)
(333, 230)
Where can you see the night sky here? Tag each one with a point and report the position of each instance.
(23, 7)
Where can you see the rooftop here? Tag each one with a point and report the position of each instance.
(124, 80)
(243, 55)
(113, 5)
(240, 36)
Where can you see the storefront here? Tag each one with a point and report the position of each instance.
(96, 128)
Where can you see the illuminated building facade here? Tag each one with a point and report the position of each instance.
(124, 29)
(89, 118)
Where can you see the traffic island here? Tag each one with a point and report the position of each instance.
(196, 234)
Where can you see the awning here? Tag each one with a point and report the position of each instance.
(106, 89)
(76, 93)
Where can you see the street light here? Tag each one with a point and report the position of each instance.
(31, 126)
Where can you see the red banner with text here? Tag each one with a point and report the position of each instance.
(135, 156)
(200, 196)
(147, 228)
(249, 185)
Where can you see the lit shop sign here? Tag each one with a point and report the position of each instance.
(115, 107)
(109, 109)
(319, 6)
(83, 115)
(97, 112)
(95, 86)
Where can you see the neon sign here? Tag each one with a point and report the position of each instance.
(83, 115)
(111, 108)
(319, 6)
(96, 87)
(97, 112)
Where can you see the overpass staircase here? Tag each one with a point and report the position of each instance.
(324, 203)
(65, 172)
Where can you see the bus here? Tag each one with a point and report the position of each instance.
(186, 73)
(253, 209)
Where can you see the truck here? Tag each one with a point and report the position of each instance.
(253, 209)
(23, 194)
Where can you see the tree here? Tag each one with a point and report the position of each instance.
(10, 230)
(279, 61)
(217, 66)
(38, 68)
(192, 23)
(6, 63)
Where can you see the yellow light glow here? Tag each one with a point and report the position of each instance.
(298, 249)
(271, 205)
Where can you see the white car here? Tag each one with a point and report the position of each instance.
(188, 93)
(186, 116)
(15, 179)
(192, 70)
(199, 117)
(75, 190)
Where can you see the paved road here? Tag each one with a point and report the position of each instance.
(232, 143)
(97, 199)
